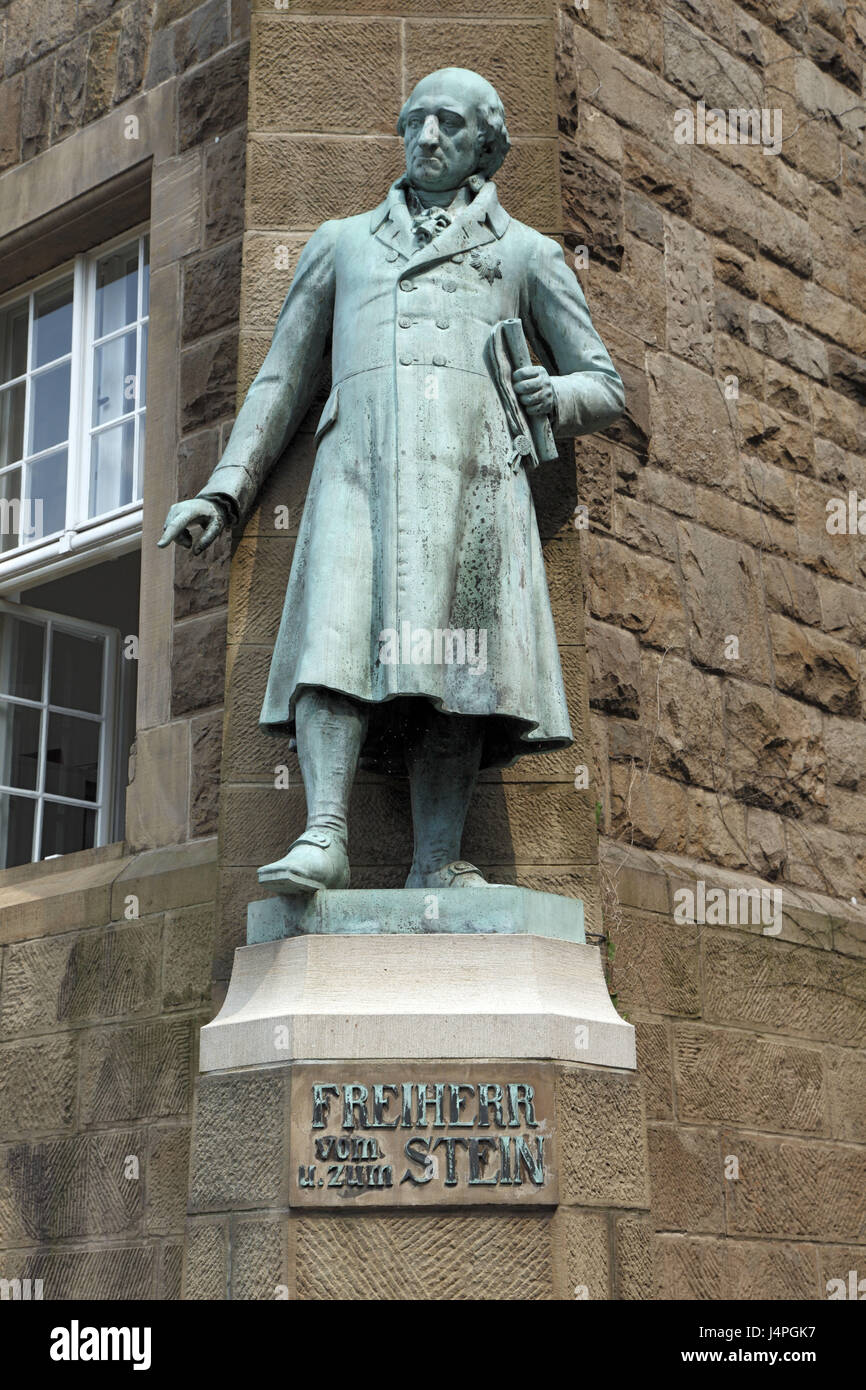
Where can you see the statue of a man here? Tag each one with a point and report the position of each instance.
(417, 634)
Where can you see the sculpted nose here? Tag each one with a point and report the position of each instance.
(430, 132)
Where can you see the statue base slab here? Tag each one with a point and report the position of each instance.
(500, 908)
(471, 995)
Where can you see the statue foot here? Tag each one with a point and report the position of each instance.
(317, 859)
(458, 874)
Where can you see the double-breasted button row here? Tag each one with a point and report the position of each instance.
(449, 286)
(407, 360)
(405, 322)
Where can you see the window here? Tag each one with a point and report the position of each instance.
(73, 353)
(57, 695)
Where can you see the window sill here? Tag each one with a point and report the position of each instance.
(63, 863)
(87, 889)
(72, 550)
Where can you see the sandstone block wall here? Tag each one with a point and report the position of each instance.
(752, 1053)
(731, 287)
(104, 984)
(712, 268)
(105, 956)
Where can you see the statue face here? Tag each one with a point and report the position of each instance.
(442, 138)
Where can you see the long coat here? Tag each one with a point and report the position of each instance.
(416, 520)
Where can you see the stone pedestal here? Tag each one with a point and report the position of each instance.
(494, 972)
(275, 1214)
(418, 1112)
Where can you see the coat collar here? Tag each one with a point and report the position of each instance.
(480, 221)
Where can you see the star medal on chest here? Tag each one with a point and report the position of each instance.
(487, 269)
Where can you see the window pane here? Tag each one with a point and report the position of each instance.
(76, 671)
(45, 508)
(145, 288)
(21, 645)
(16, 830)
(72, 756)
(66, 829)
(19, 745)
(116, 290)
(111, 468)
(113, 379)
(142, 367)
(10, 509)
(13, 341)
(11, 424)
(49, 408)
(52, 323)
(142, 422)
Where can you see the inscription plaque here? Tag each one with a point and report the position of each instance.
(409, 1134)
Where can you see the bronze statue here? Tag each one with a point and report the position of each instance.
(417, 632)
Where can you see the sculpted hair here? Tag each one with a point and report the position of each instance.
(497, 141)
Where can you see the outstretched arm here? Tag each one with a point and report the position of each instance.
(588, 393)
(275, 403)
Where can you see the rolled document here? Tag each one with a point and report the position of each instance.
(532, 434)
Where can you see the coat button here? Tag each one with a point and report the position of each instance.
(405, 359)
(459, 258)
(443, 323)
(391, 256)
(439, 361)
(406, 285)
(449, 286)
(405, 323)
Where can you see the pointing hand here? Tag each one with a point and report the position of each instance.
(198, 511)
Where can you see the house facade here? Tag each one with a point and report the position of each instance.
(162, 164)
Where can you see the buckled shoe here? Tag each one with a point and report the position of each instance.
(317, 859)
(459, 874)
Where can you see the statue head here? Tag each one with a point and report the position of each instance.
(453, 125)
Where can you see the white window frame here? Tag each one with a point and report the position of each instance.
(84, 539)
(104, 805)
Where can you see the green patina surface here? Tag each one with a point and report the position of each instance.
(413, 911)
